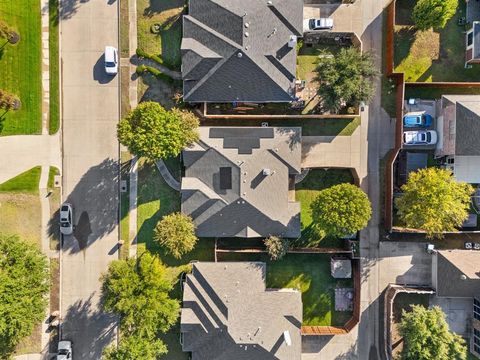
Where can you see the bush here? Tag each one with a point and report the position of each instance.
(277, 247)
(176, 233)
(9, 101)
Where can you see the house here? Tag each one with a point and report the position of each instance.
(240, 182)
(456, 280)
(472, 55)
(240, 51)
(459, 136)
(228, 313)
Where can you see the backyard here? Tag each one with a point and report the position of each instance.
(431, 56)
(306, 192)
(310, 273)
(20, 67)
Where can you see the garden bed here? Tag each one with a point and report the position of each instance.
(310, 273)
(436, 55)
(306, 192)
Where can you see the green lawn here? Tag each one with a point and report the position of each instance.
(306, 192)
(307, 59)
(166, 44)
(54, 120)
(310, 127)
(433, 55)
(20, 67)
(26, 182)
(311, 274)
(433, 93)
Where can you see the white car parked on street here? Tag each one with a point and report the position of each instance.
(111, 60)
(66, 219)
(65, 351)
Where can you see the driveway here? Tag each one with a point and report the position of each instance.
(90, 170)
(404, 263)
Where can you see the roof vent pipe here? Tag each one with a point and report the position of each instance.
(287, 338)
(269, 3)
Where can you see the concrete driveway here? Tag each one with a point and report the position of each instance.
(404, 263)
(90, 176)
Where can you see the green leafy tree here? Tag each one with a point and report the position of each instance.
(151, 131)
(135, 348)
(433, 13)
(24, 285)
(176, 233)
(426, 336)
(341, 210)
(8, 101)
(434, 201)
(277, 247)
(138, 291)
(346, 78)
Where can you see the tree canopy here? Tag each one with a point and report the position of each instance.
(176, 233)
(155, 133)
(135, 348)
(341, 210)
(346, 78)
(433, 13)
(434, 201)
(427, 337)
(24, 285)
(138, 291)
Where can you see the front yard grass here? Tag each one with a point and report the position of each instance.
(20, 67)
(54, 117)
(26, 182)
(306, 192)
(310, 273)
(433, 55)
(166, 44)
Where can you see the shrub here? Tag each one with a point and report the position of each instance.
(176, 233)
(277, 247)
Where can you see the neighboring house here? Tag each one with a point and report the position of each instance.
(472, 55)
(240, 182)
(240, 51)
(456, 280)
(459, 136)
(228, 314)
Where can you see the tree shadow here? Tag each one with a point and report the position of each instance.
(403, 42)
(157, 6)
(68, 8)
(171, 38)
(97, 191)
(98, 329)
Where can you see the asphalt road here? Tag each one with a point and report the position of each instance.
(90, 170)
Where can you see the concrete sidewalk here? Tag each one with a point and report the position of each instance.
(23, 152)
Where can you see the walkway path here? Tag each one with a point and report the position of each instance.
(28, 151)
(169, 179)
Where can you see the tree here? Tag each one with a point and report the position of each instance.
(138, 291)
(151, 131)
(24, 285)
(8, 33)
(426, 336)
(341, 210)
(434, 201)
(8, 101)
(135, 348)
(433, 13)
(277, 247)
(176, 233)
(346, 78)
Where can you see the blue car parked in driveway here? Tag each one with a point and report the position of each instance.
(417, 119)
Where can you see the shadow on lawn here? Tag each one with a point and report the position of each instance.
(158, 6)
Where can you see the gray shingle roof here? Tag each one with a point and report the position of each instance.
(257, 203)
(467, 124)
(228, 314)
(451, 265)
(259, 67)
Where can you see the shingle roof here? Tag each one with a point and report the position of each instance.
(229, 314)
(452, 267)
(238, 50)
(467, 123)
(256, 201)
